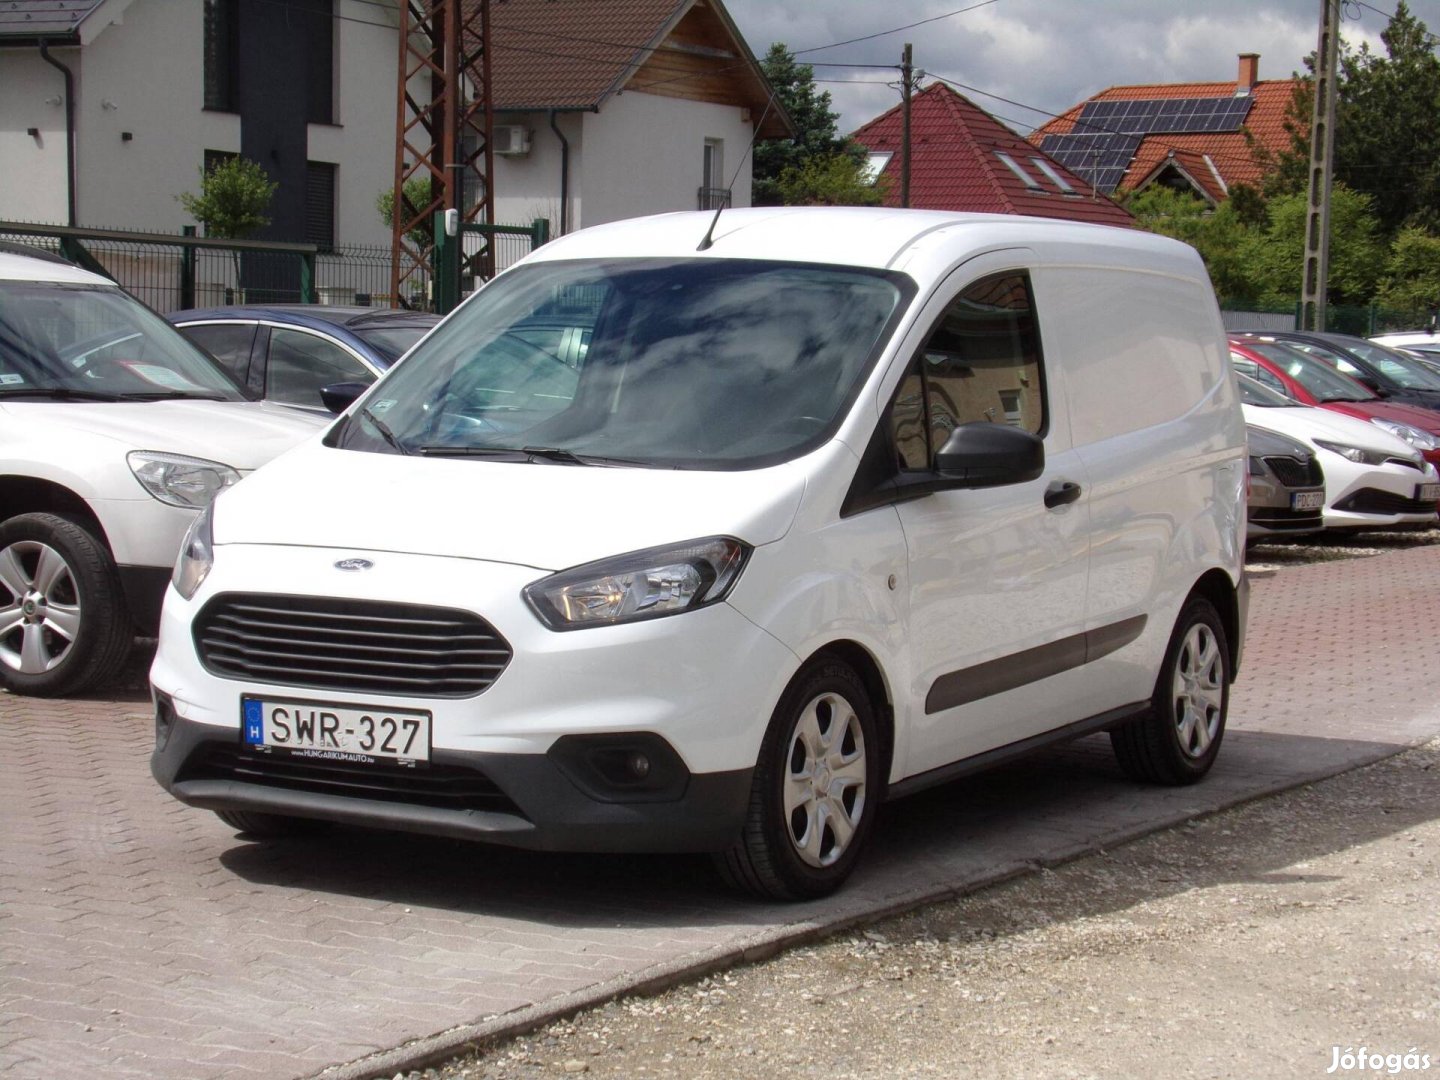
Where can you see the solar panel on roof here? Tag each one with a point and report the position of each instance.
(1153, 116)
(1098, 158)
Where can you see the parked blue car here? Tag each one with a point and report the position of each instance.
(290, 353)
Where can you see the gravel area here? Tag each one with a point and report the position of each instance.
(1268, 941)
(1261, 942)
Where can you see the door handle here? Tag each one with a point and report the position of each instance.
(1058, 494)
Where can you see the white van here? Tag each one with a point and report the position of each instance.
(836, 504)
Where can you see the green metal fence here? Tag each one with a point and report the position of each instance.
(1362, 320)
(171, 273)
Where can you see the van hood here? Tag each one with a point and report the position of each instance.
(544, 515)
(241, 434)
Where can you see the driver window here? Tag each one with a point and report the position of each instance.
(981, 363)
(300, 364)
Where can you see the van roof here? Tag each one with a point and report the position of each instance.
(853, 236)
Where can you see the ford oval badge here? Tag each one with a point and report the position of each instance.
(354, 564)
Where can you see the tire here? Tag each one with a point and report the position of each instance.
(64, 626)
(256, 823)
(1177, 740)
(806, 826)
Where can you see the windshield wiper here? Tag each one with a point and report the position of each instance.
(473, 451)
(60, 393)
(531, 454)
(385, 432)
(170, 395)
(554, 453)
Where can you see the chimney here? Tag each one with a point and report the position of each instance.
(1249, 73)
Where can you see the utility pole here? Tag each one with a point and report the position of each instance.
(1322, 158)
(905, 76)
(443, 124)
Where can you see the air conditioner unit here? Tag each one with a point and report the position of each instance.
(512, 140)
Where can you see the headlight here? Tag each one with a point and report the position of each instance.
(1356, 454)
(179, 480)
(1421, 440)
(197, 555)
(646, 584)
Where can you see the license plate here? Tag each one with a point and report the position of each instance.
(1427, 492)
(1307, 500)
(327, 732)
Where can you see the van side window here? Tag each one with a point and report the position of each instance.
(981, 362)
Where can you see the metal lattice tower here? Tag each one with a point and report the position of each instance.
(443, 121)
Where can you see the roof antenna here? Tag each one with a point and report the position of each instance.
(709, 240)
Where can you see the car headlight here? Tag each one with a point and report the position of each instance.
(1357, 454)
(1421, 440)
(178, 480)
(646, 584)
(197, 555)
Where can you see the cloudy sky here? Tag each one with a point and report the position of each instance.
(1048, 54)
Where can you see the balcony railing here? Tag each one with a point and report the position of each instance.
(714, 198)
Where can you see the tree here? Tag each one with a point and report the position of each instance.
(1387, 144)
(817, 134)
(1276, 254)
(417, 194)
(234, 198)
(1411, 279)
(834, 180)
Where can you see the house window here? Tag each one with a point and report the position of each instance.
(320, 204)
(713, 192)
(220, 58)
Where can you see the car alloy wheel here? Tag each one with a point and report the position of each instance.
(1199, 691)
(64, 626)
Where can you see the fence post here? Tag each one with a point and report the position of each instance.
(308, 293)
(187, 270)
(539, 232)
(447, 267)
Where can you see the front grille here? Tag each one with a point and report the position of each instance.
(1279, 518)
(1373, 501)
(1294, 473)
(446, 787)
(357, 646)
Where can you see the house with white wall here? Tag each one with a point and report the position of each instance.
(604, 110)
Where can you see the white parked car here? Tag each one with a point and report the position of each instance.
(1373, 480)
(114, 432)
(837, 504)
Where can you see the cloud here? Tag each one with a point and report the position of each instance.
(1049, 54)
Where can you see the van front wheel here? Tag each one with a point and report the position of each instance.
(1177, 740)
(815, 791)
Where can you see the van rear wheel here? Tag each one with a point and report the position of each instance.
(1177, 740)
(815, 791)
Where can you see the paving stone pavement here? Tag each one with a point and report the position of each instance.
(142, 938)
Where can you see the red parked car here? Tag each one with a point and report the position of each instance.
(1311, 381)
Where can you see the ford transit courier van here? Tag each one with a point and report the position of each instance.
(836, 505)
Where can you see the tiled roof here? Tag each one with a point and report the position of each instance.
(1233, 153)
(954, 163)
(573, 54)
(43, 18)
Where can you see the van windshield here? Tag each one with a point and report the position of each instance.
(673, 363)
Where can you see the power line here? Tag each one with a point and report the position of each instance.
(896, 30)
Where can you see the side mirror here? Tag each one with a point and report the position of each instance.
(983, 454)
(341, 395)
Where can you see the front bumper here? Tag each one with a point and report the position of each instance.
(518, 800)
(698, 689)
